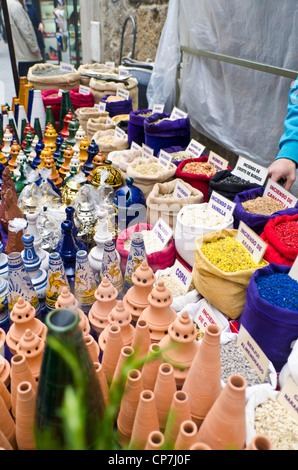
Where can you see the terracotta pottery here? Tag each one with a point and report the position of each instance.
(187, 436)
(20, 372)
(7, 424)
(32, 347)
(180, 346)
(199, 446)
(151, 366)
(113, 346)
(67, 300)
(125, 353)
(136, 298)
(10, 209)
(159, 314)
(5, 394)
(102, 380)
(155, 441)
(5, 370)
(15, 233)
(203, 381)
(179, 412)
(106, 300)
(146, 420)
(23, 317)
(164, 389)
(92, 347)
(25, 412)
(260, 442)
(141, 339)
(224, 427)
(4, 442)
(118, 316)
(128, 406)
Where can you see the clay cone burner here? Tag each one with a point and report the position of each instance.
(106, 299)
(121, 317)
(136, 298)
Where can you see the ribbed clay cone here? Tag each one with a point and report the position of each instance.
(4, 442)
(20, 372)
(102, 380)
(187, 436)
(199, 446)
(179, 412)
(7, 425)
(203, 381)
(164, 389)
(146, 421)
(151, 366)
(155, 441)
(125, 353)
(224, 426)
(106, 299)
(5, 394)
(118, 316)
(141, 339)
(32, 347)
(113, 346)
(260, 442)
(92, 347)
(25, 412)
(128, 406)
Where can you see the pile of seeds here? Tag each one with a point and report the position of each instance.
(199, 168)
(181, 155)
(262, 206)
(173, 286)
(114, 98)
(233, 361)
(151, 242)
(275, 422)
(279, 289)
(233, 179)
(287, 232)
(229, 255)
(148, 169)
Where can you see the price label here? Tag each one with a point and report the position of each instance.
(147, 152)
(66, 67)
(252, 242)
(217, 161)
(250, 171)
(158, 108)
(110, 65)
(163, 232)
(123, 72)
(101, 107)
(205, 316)
(278, 193)
(177, 114)
(288, 397)
(253, 353)
(119, 132)
(60, 92)
(221, 205)
(122, 93)
(84, 90)
(181, 190)
(110, 120)
(135, 146)
(196, 148)
(164, 158)
(293, 273)
(182, 276)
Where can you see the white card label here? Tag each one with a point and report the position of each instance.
(122, 93)
(101, 107)
(182, 276)
(66, 67)
(250, 171)
(110, 65)
(293, 273)
(253, 353)
(278, 193)
(177, 114)
(217, 161)
(147, 152)
(119, 132)
(162, 231)
(196, 148)
(123, 72)
(164, 158)
(110, 120)
(135, 146)
(158, 108)
(205, 316)
(84, 90)
(181, 190)
(251, 241)
(288, 397)
(221, 205)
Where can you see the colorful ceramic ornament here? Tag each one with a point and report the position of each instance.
(56, 280)
(137, 254)
(101, 236)
(85, 284)
(110, 266)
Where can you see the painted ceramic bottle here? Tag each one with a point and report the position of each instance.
(32, 229)
(137, 254)
(101, 236)
(56, 280)
(110, 267)
(3, 263)
(85, 284)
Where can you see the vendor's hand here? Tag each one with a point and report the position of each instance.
(283, 168)
(41, 28)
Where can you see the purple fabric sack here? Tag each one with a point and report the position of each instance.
(114, 108)
(273, 328)
(135, 127)
(256, 222)
(166, 133)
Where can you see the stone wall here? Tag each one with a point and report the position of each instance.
(149, 17)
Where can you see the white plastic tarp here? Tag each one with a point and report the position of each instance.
(240, 108)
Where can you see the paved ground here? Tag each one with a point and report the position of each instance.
(7, 89)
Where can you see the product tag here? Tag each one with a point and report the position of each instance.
(252, 242)
(158, 108)
(147, 152)
(84, 90)
(101, 107)
(110, 65)
(196, 148)
(123, 71)
(177, 114)
(205, 316)
(135, 146)
(288, 397)
(253, 353)
(66, 67)
(293, 273)
(119, 132)
(60, 92)
(221, 205)
(278, 193)
(162, 231)
(110, 120)
(217, 161)
(182, 276)
(164, 158)
(181, 191)
(122, 93)
(250, 171)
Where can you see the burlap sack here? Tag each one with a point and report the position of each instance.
(50, 77)
(98, 124)
(94, 68)
(226, 291)
(168, 208)
(146, 182)
(84, 114)
(108, 141)
(122, 158)
(101, 88)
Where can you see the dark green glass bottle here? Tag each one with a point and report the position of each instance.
(57, 374)
(66, 105)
